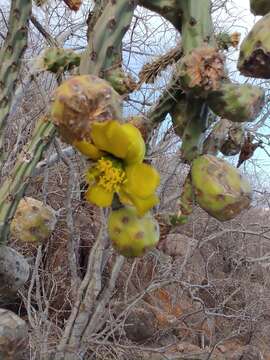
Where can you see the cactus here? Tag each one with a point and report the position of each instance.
(73, 4)
(57, 60)
(130, 234)
(219, 188)
(14, 186)
(225, 40)
(192, 140)
(238, 103)
(10, 58)
(259, 7)
(14, 272)
(234, 141)
(33, 221)
(180, 116)
(104, 43)
(254, 57)
(80, 101)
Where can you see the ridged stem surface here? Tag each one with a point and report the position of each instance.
(10, 59)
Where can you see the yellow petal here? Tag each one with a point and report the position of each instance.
(136, 149)
(142, 180)
(144, 205)
(124, 198)
(99, 196)
(98, 135)
(88, 149)
(121, 140)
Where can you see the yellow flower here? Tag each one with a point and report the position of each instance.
(136, 184)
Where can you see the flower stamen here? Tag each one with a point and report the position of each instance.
(111, 176)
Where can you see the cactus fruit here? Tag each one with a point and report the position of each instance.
(73, 4)
(80, 101)
(219, 188)
(14, 272)
(130, 234)
(57, 60)
(260, 7)
(238, 103)
(234, 141)
(254, 58)
(33, 222)
(216, 137)
(121, 82)
(225, 40)
(201, 71)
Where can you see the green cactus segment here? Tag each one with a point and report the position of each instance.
(179, 116)
(254, 58)
(197, 26)
(13, 188)
(260, 7)
(57, 60)
(132, 235)
(186, 202)
(220, 189)
(237, 102)
(105, 40)
(201, 68)
(169, 9)
(10, 58)
(192, 140)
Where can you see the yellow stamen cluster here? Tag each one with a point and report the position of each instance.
(110, 176)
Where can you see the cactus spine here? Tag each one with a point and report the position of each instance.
(10, 58)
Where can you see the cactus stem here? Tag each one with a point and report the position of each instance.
(15, 185)
(10, 58)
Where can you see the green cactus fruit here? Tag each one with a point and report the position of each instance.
(233, 144)
(121, 82)
(238, 103)
(260, 7)
(254, 58)
(201, 71)
(33, 221)
(219, 188)
(132, 235)
(57, 60)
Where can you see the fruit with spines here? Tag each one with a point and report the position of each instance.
(57, 60)
(254, 57)
(219, 187)
(79, 102)
(201, 71)
(33, 221)
(132, 235)
(237, 102)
